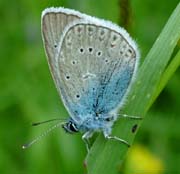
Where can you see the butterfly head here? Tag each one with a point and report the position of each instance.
(70, 127)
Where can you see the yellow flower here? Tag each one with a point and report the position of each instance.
(141, 161)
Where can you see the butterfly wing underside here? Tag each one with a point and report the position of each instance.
(95, 67)
(53, 24)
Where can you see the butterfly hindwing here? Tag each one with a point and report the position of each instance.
(95, 67)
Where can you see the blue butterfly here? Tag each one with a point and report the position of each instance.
(93, 63)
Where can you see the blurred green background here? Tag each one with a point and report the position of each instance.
(28, 94)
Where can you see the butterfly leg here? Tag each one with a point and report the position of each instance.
(86, 137)
(107, 135)
(118, 139)
(130, 117)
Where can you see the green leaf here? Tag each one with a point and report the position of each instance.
(157, 68)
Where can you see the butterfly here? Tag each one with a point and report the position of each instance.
(93, 63)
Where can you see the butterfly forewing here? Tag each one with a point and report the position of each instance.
(53, 24)
(95, 67)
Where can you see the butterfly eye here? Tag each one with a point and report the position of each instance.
(73, 127)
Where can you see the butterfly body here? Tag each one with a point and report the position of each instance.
(93, 63)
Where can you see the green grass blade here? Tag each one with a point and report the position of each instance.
(104, 155)
(172, 67)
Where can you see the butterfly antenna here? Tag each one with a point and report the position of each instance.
(47, 121)
(25, 146)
